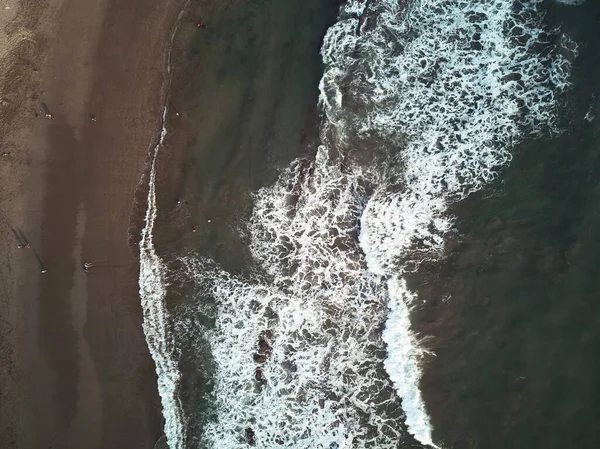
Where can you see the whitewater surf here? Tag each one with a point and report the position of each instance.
(422, 103)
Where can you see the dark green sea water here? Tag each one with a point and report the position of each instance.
(514, 309)
(246, 90)
(242, 105)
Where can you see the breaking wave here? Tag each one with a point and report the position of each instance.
(423, 103)
(572, 2)
(156, 318)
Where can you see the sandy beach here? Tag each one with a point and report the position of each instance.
(75, 371)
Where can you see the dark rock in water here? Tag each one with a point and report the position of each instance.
(161, 443)
(268, 334)
(260, 379)
(264, 342)
(264, 347)
(260, 358)
(250, 437)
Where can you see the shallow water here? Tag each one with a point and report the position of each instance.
(243, 103)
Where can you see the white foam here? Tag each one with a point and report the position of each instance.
(402, 363)
(572, 2)
(455, 85)
(156, 320)
(322, 377)
(448, 88)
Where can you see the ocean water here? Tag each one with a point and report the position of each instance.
(325, 299)
(512, 314)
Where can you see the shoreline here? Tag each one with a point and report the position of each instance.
(243, 103)
(80, 374)
(151, 280)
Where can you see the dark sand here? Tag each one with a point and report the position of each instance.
(75, 369)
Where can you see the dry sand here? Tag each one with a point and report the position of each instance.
(75, 371)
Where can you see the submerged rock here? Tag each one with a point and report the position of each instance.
(250, 436)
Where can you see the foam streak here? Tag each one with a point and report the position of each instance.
(156, 318)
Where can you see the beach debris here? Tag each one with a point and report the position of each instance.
(49, 116)
(86, 266)
(4, 102)
(200, 25)
(93, 117)
(43, 271)
(195, 228)
(250, 436)
(209, 221)
(25, 245)
(5, 154)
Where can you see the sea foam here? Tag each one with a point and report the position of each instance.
(156, 319)
(315, 349)
(572, 2)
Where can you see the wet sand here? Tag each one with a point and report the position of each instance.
(75, 370)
